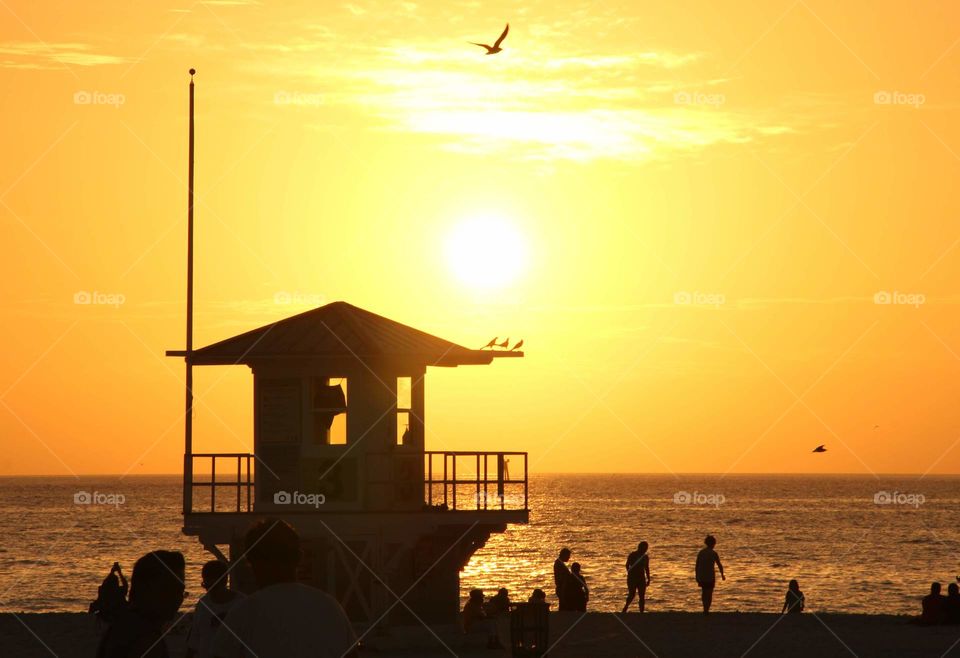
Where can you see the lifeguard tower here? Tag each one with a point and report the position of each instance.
(338, 452)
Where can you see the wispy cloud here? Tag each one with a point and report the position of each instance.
(38, 55)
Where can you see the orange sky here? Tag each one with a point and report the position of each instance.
(777, 165)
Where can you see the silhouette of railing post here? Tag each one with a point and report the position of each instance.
(213, 483)
(430, 480)
(500, 480)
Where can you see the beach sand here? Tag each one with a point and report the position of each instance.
(594, 635)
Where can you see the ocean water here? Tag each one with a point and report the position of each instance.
(848, 552)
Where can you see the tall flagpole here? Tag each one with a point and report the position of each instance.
(188, 424)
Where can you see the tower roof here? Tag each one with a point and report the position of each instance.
(340, 330)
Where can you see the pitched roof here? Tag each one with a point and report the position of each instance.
(340, 330)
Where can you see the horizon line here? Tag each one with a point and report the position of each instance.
(665, 473)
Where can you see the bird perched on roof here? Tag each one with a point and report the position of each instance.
(517, 346)
(505, 344)
(820, 448)
(495, 48)
(490, 345)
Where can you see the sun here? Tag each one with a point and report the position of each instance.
(486, 252)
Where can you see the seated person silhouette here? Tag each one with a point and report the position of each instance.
(538, 596)
(283, 618)
(953, 604)
(156, 593)
(211, 610)
(473, 611)
(498, 603)
(111, 595)
(933, 607)
(794, 601)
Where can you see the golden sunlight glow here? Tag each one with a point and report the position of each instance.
(686, 212)
(486, 252)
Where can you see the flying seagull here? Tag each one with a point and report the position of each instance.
(495, 48)
(517, 346)
(490, 344)
(820, 448)
(504, 344)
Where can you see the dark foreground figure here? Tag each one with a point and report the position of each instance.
(156, 592)
(706, 575)
(283, 618)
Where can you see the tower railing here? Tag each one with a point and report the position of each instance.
(471, 480)
(233, 471)
(452, 481)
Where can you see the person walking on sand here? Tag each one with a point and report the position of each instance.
(638, 576)
(706, 575)
(560, 575)
(794, 601)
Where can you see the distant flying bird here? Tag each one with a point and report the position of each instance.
(504, 344)
(517, 346)
(876, 427)
(820, 448)
(495, 48)
(490, 344)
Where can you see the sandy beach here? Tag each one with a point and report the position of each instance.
(594, 635)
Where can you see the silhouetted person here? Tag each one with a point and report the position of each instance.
(576, 594)
(706, 576)
(111, 595)
(283, 618)
(472, 610)
(212, 608)
(934, 608)
(538, 596)
(561, 574)
(638, 576)
(952, 604)
(498, 603)
(794, 601)
(156, 592)
(475, 614)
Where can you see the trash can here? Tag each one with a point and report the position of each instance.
(529, 629)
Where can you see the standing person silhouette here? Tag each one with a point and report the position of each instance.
(638, 576)
(560, 575)
(577, 593)
(706, 576)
